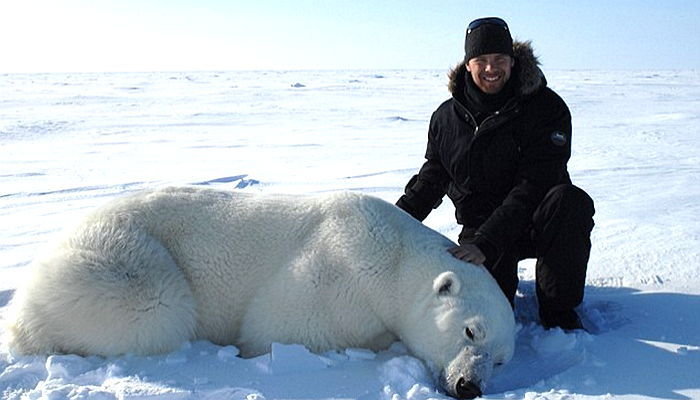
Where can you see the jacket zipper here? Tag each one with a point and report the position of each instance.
(508, 107)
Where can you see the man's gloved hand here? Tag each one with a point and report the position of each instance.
(468, 252)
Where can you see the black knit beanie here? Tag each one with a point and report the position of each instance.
(487, 36)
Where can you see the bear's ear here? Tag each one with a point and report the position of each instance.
(447, 284)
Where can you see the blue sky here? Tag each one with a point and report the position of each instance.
(130, 35)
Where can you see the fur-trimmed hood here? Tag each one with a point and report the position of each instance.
(526, 68)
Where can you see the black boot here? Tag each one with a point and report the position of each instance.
(567, 320)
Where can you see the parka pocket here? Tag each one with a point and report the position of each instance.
(499, 162)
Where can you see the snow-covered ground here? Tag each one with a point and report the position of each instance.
(69, 142)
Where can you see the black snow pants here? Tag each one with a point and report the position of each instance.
(560, 239)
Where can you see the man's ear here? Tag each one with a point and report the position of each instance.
(447, 284)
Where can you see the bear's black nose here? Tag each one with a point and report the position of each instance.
(466, 389)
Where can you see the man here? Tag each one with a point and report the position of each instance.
(499, 148)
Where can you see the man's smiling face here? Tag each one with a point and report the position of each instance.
(490, 72)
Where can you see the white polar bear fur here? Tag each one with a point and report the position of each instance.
(150, 271)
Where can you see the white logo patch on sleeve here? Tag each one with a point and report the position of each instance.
(558, 138)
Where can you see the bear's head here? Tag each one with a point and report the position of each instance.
(462, 325)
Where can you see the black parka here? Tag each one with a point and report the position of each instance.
(496, 173)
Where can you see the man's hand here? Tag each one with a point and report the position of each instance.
(469, 253)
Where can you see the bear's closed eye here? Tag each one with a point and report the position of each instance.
(469, 333)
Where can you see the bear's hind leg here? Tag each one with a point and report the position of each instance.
(107, 295)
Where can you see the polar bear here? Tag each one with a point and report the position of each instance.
(149, 271)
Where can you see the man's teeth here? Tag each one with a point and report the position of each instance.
(492, 78)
